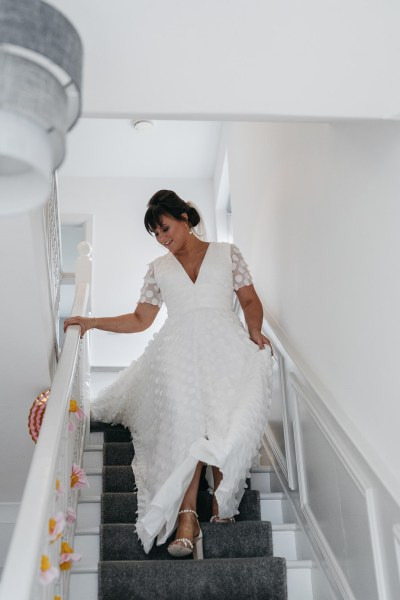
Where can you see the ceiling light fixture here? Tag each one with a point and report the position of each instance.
(40, 100)
(143, 125)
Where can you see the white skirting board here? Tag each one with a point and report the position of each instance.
(8, 517)
(349, 516)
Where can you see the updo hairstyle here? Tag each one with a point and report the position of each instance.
(166, 202)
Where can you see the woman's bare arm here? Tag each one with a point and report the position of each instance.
(139, 320)
(253, 314)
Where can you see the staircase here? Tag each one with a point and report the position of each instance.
(256, 557)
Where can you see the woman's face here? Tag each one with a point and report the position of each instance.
(171, 233)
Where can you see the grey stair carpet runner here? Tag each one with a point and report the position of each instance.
(238, 558)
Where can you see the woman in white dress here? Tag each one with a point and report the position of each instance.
(200, 393)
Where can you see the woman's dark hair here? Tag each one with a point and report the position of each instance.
(166, 202)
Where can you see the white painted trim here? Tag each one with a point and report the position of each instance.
(396, 539)
(100, 369)
(330, 558)
(319, 559)
(9, 512)
(331, 430)
(287, 463)
(85, 219)
(333, 437)
(377, 547)
(324, 547)
(329, 403)
(89, 531)
(299, 452)
(277, 358)
(300, 564)
(68, 279)
(89, 500)
(77, 570)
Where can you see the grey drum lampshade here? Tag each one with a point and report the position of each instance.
(40, 98)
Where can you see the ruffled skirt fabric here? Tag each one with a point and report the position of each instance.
(200, 392)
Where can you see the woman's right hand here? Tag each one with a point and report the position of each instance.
(85, 323)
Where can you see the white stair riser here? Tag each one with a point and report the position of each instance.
(284, 544)
(271, 510)
(96, 438)
(95, 486)
(261, 482)
(83, 586)
(299, 584)
(88, 515)
(89, 547)
(92, 459)
(265, 482)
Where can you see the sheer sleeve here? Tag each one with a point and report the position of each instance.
(150, 291)
(240, 271)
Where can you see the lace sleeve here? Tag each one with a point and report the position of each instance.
(150, 291)
(240, 271)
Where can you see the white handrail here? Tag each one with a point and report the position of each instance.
(22, 568)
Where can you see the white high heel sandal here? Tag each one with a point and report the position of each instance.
(217, 519)
(196, 547)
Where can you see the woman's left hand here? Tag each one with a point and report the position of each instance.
(258, 338)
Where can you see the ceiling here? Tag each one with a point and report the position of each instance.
(236, 60)
(227, 60)
(103, 142)
(113, 148)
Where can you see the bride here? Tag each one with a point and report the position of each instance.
(201, 391)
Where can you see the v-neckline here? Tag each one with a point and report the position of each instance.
(200, 268)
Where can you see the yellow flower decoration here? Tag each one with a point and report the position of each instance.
(67, 556)
(47, 572)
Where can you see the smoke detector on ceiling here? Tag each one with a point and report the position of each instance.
(143, 125)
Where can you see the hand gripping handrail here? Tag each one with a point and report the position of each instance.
(53, 455)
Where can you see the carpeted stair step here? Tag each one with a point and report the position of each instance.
(220, 540)
(100, 426)
(117, 435)
(117, 453)
(249, 508)
(260, 578)
(122, 507)
(120, 478)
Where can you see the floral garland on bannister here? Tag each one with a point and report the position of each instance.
(59, 556)
(56, 529)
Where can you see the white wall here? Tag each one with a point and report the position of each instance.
(316, 212)
(239, 59)
(26, 343)
(122, 248)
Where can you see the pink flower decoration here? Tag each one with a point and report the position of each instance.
(70, 516)
(71, 426)
(47, 572)
(68, 556)
(78, 477)
(56, 526)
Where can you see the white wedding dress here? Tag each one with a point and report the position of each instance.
(200, 392)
